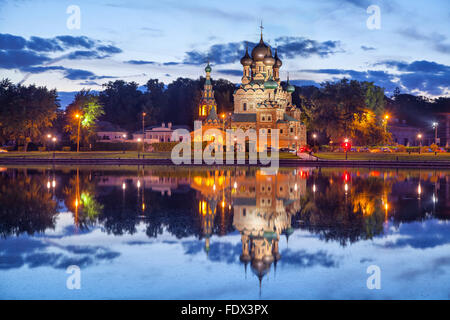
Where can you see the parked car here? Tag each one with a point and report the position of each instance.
(385, 149)
(305, 149)
(3, 150)
(364, 149)
(288, 150)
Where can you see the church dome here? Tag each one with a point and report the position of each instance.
(278, 62)
(208, 68)
(246, 60)
(268, 59)
(270, 84)
(260, 51)
(290, 88)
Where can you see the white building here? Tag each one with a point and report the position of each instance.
(107, 132)
(161, 133)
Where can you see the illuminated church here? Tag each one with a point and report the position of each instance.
(260, 102)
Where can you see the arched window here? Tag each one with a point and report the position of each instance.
(244, 106)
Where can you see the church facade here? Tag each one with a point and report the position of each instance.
(260, 101)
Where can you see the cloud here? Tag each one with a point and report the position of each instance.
(365, 48)
(78, 74)
(418, 76)
(291, 47)
(288, 47)
(230, 72)
(140, 62)
(19, 59)
(435, 40)
(37, 54)
(11, 42)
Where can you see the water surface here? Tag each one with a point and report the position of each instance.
(202, 233)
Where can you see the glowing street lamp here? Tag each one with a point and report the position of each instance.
(314, 138)
(78, 116)
(419, 136)
(435, 125)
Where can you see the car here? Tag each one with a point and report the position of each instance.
(288, 150)
(364, 149)
(385, 149)
(305, 149)
(3, 150)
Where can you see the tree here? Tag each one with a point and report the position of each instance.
(87, 106)
(25, 112)
(124, 103)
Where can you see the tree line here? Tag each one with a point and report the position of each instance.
(346, 108)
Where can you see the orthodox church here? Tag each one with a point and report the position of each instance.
(260, 101)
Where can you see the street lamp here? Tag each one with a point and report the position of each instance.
(296, 138)
(143, 129)
(386, 118)
(124, 136)
(78, 116)
(54, 145)
(419, 136)
(435, 125)
(314, 138)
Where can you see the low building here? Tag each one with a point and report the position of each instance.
(160, 133)
(107, 132)
(404, 134)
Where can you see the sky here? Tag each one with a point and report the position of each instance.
(47, 43)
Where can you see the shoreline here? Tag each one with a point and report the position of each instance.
(282, 162)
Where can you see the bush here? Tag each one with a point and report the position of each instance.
(118, 146)
(401, 148)
(434, 147)
(163, 146)
(67, 149)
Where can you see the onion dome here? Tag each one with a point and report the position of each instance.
(208, 68)
(290, 88)
(278, 62)
(260, 51)
(246, 60)
(270, 235)
(268, 59)
(270, 84)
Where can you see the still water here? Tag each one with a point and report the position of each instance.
(237, 233)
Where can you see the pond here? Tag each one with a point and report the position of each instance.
(224, 233)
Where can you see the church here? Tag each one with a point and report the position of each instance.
(260, 101)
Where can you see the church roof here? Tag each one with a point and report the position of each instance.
(212, 116)
(243, 117)
(289, 118)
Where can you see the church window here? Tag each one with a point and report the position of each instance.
(244, 106)
(281, 130)
(268, 131)
(263, 118)
(292, 130)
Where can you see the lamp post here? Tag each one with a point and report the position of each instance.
(419, 136)
(386, 118)
(54, 146)
(78, 116)
(296, 138)
(314, 138)
(143, 129)
(435, 125)
(139, 140)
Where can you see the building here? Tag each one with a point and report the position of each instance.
(404, 134)
(162, 133)
(107, 132)
(260, 102)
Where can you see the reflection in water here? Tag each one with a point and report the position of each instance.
(341, 206)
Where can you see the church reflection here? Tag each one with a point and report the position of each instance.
(262, 205)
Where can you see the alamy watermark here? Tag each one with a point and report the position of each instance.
(374, 20)
(237, 145)
(374, 280)
(74, 20)
(73, 282)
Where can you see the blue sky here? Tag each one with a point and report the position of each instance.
(138, 40)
